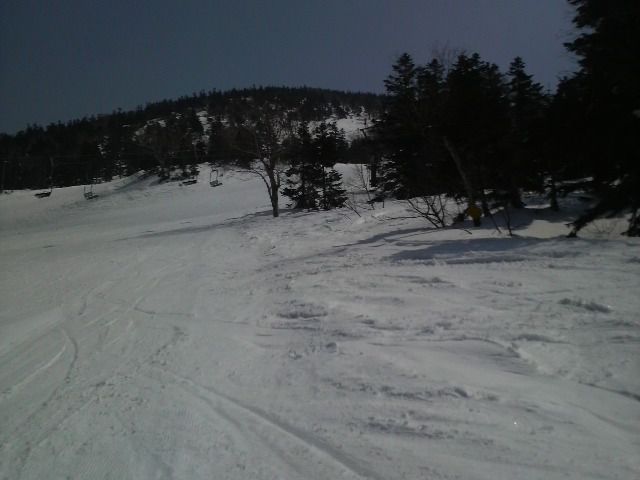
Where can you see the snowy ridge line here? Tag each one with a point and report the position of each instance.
(312, 443)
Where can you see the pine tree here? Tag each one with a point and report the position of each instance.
(527, 106)
(433, 172)
(304, 172)
(330, 145)
(475, 126)
(312, 182)
(609, 101)
(399, 129)
(333, 195)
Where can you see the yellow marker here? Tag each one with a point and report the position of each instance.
(474, 212)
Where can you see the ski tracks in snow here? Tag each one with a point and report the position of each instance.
(311, 346)
(401, 319)
(277, 435)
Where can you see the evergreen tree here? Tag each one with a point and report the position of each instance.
(475, 126)
(399, 129)
(433, 173)
(607, 86)
(330, 145)
(333, 195)
(312, 181)
(304, 172)
(527, 105)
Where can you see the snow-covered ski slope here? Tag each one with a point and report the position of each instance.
(180, 332)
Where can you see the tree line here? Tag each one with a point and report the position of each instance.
(468, 131)
(170, 137)
(455, 127)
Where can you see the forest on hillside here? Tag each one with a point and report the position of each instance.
(183, 132)
(455, 127)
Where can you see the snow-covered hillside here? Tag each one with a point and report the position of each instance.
(180, 332)
(353, 126)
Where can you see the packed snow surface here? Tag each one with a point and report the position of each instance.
(162, 331)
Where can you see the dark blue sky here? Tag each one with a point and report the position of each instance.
(65, 59)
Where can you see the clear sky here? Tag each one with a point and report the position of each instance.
(63, 59)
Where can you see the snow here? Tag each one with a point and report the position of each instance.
(352, 125)
(167, 331)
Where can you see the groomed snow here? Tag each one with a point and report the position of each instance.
(180, 332)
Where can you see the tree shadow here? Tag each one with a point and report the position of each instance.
(482, 250)
(445, 248)
(523, 218)
(229, 222)
(391, 237)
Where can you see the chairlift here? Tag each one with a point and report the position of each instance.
(214, 182)
(88, 192)
(47, 193)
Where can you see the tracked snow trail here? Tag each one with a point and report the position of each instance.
(171, 332)
(90, 385)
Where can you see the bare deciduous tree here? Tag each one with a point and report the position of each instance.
(433, 208)
(263, 142)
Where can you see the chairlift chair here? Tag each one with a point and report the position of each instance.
(88, 192)
(46, 193)
(214, 182)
